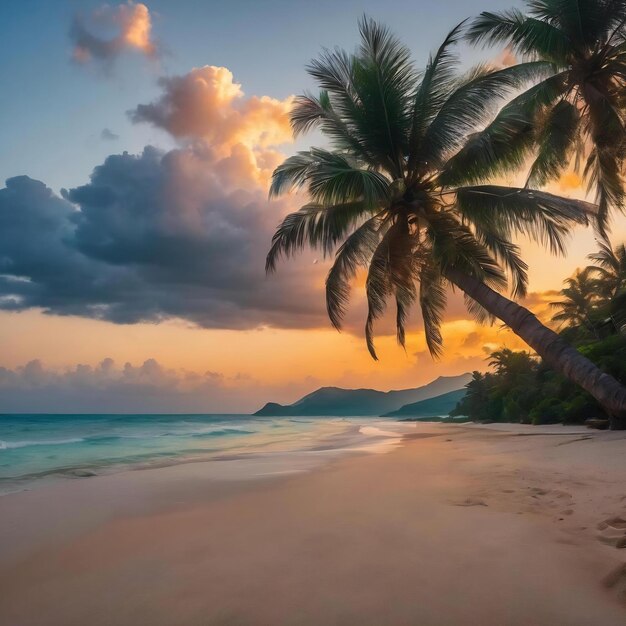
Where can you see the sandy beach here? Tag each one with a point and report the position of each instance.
(502, 525)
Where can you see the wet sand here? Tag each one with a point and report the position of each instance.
(459, 525)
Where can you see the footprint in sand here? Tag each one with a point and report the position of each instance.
(552, 499)
(616, 580)
(470, 502)
(613, 522)
(613, 531)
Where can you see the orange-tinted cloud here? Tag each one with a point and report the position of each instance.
(207, 107)
(506, 58)
(131, 23)
(207, 103)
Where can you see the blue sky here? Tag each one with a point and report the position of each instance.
(53, 111)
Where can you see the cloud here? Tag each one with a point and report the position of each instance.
(156, 236)
(110, 31)
(35, 260)
(178, 234)
(506, 58)
(207, 106)
(108, 135)
(149, 387)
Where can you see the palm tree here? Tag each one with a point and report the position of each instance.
(512, 365)
(476, 398)
(610, 267)
(577, 115)
(580, 297)
(610, 270)
(391, 196)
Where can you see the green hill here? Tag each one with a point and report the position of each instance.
(333, 401)
(431, 407)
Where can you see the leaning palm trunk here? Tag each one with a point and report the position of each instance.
(564, 359)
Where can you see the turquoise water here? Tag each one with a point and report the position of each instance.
(34, 448)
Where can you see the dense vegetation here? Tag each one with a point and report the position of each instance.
(522, 388)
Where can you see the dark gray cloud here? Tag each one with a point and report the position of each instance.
(152, 236)
(38, 265)
(108, 135)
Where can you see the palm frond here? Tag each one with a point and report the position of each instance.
(542, 216)
(383, 77)
(556, 139)
(391, 273)
(454, 245)
(314, 225)
(609, 269)
(578, 299)
(612, 20)
(497, 240)
(583, 20)
(310, 112)
(433, 90)
(370, 91)
(471, 104)
(330, 178)
(378, 290)
(432, 299)
(527, 36)
(355, 252)
(477, 311)
(586, 39)
(604, 168)
(495, 28)
(333, 72)
(506, 142)
(339, 75)
(603, 174)
(605, 256)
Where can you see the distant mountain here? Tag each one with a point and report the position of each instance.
(431, 407)
(334, 401)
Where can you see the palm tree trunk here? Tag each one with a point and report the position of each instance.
(564, 359)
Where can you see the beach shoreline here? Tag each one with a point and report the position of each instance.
(460, 524)
(67, 447)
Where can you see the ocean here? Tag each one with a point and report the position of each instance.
(38, 449)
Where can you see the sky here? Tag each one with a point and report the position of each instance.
(139, 140)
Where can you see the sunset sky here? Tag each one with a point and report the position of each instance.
(138, 141)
